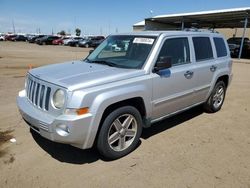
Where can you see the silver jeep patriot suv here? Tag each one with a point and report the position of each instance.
(128, 82)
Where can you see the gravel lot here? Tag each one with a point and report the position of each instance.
(193, 149)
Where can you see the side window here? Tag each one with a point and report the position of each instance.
(220, 47)
(203, 49)
(177, 49)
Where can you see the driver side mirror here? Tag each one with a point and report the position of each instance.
(164, 62)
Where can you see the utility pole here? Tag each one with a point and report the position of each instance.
(13, 25)
(243, 37)
(109, 28)
(100, 30)
(75, 22)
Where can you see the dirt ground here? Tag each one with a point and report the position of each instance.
(193, 149)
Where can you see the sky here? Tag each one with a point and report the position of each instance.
(95, 16)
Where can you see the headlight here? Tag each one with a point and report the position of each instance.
(59, 98)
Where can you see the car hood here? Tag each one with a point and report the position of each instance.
(79, 74)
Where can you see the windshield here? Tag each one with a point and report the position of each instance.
(123, 51)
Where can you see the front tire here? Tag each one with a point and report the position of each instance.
(216, 99)
(120, 132)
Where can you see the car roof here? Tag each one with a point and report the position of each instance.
(170, 33)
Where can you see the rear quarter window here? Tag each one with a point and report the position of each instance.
(220, 46)
(203, 49)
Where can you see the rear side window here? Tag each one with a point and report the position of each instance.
(220, 47)
(177, 49)
(202, 48)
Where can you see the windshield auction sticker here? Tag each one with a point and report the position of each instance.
(143, 40)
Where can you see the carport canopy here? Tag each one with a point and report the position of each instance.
(226, 18)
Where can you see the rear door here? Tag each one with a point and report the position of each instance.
(206, 66)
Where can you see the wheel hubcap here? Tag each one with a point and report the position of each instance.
(122, 132)
(218, 97)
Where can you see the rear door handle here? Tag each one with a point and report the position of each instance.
(213, 68)
(189, 74)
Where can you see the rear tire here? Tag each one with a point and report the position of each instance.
(216, 99)
(120, 132)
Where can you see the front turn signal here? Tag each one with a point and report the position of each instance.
(82, 111)
(74, 111)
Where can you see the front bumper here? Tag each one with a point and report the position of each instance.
(48, 126)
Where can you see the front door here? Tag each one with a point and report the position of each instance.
(174, 91)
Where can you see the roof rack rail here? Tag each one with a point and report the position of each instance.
(193, 29)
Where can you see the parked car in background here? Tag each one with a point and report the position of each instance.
(75, 42)
(96, 43)
(60, 41)
(66, 42)
(19, 38)
(9, 37)
(91, 42)
(84, 43)
(2, 38)
(34, 38)
(234, 46)
(46, 40)
(29, 36)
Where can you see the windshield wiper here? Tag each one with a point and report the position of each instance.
(87, 60)
(103, 62)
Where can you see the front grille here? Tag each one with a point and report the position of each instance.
(38, 93)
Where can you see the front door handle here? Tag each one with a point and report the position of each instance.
(213, 68)
(189, 74)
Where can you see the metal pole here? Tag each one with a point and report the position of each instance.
(235, 32)
(13, 25)
(182, 25)
(243, 36)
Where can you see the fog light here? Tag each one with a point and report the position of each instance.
(62, 130)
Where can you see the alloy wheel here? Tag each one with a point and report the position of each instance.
(122, 132)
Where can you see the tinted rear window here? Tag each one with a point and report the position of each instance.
(220, 47)
(203, 48)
